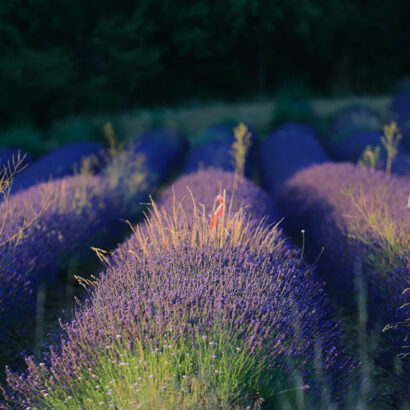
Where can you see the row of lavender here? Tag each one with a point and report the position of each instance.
(176, 278)
(287, 139)
(346, 137)
(350, 132)
(45, 225)
(355, 226)
(335, 201)
(294, 159)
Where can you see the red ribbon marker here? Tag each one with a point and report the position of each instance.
(218, 212)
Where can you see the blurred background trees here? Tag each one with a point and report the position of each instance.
(65, 57)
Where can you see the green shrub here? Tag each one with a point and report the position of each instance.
(24, 137)
(72, 129)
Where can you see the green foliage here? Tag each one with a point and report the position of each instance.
(292, 104)
(104, 56)
(72, 129)
(24, 137)
(212, 371)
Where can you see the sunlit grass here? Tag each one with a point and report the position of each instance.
(370, 157)
(387, 242)
(390, 142)
(239, 150)
(211, 371)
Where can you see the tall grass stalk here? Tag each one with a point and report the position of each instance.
(239, 150)
(370, 157)
(109, 135)
(390, 141)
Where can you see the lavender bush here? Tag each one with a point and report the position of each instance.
(184, 285)
(55, 219)
(285, 151)
(83, 211)
(353, 120)
(362, 219)
(57, 164)
(399, 111)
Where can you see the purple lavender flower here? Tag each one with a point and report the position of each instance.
(270, 299)
(59, 219)
(313, 200)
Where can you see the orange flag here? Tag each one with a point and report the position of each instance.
(218, 212)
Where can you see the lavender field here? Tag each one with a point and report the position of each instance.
(237, 268)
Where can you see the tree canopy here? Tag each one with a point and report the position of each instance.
(61, 57)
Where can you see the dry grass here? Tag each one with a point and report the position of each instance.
(390, 142)
(387, 240)
(370, 157)
(175, 229)
(239, 150)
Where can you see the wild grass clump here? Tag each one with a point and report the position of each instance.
(370, 157)
(8, 155)
(239, 150)
(207, 184)
(146, 163)
(390, 141)
(237, 303)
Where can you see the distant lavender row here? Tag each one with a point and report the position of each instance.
(352, 120)
(57, 164)
(290, 148)
(269, 297)
(352, 148)
(399, 111)
(213, 150)
(313, 200)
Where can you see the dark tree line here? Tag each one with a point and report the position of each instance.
(68, 56)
